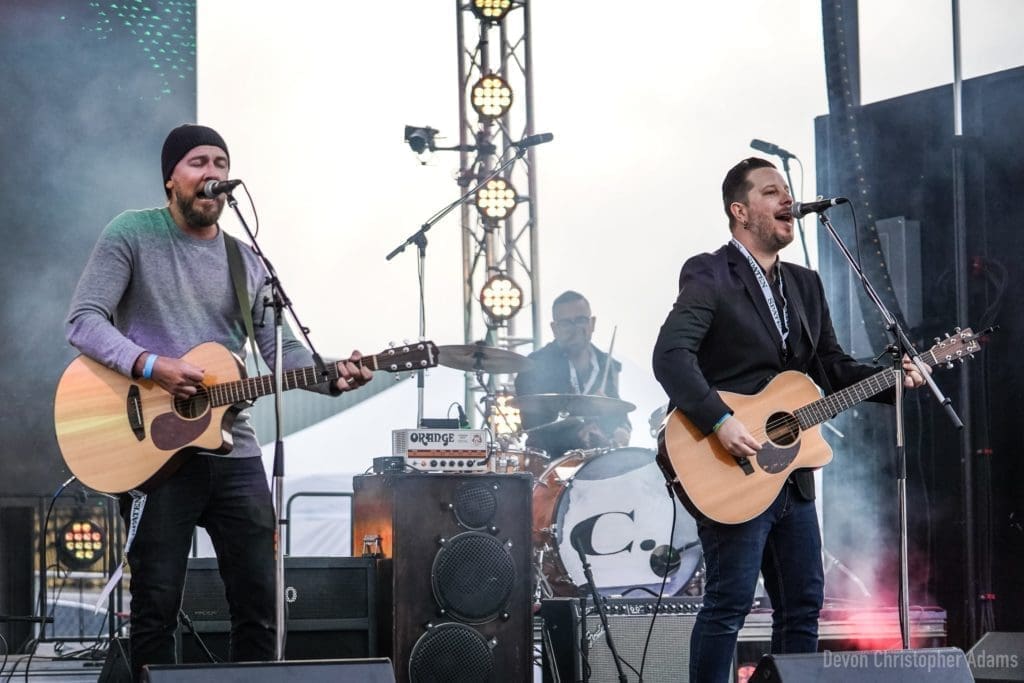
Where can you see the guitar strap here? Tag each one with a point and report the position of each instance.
(134, 517)
(237, 270)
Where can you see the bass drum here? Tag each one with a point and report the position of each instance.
(613, 503)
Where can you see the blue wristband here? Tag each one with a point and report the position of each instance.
(147, 369)
(721, 420)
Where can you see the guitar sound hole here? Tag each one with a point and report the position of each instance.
(783, 429)
(191, 408)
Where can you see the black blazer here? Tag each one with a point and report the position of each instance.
(720, 335)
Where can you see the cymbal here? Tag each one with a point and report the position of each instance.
(552, 428)
(474, 357)
(575, 404)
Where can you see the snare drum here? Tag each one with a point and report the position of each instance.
(617, 504)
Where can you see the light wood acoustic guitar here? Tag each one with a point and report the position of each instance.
(117, 434)
(785, 416)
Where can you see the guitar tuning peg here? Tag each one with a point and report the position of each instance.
(937, 340)
(405, 342)
(949, 365)
(956, 330)
(947, 335)
(391, 344)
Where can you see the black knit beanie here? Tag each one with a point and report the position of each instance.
(184, 138)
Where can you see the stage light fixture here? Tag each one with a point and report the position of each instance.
(491, 10)
(505, 418)
(501, 298)
(491, 97)
(80, 543)
(420, 139)
(496, 199)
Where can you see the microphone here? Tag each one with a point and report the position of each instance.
(463, 420)
(531, 140)
(769, 148)
(212, 188)
(801, 209)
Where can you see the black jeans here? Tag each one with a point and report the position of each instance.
(230, 498)
(784, 544)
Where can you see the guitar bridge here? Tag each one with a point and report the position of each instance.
(134, 409)
(744, 464)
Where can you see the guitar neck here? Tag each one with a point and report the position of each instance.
(251, 388)
(829, 406)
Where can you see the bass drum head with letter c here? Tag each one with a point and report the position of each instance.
(617, 507)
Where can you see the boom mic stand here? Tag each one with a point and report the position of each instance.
(280, 301)
(419, 238)
(574, 540)
(901, 346)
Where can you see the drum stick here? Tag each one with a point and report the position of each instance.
(604, 376)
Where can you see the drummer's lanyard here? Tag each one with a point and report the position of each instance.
(591, 381)
(781, 322)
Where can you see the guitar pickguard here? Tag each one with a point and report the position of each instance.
(170, 432)
(774, 459)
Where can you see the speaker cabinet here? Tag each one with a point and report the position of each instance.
(456, 572)
(998, 657)
(575, 642)
(331, 605)
(935, 665)
(324, 671)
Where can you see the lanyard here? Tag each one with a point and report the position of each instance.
(590, 380)
(781, 322)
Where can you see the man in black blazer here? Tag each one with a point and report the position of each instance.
(743, 316)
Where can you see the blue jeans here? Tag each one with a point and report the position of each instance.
(230, 498)
(784, 544)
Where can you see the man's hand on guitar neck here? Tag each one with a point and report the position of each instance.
(353, 373)
(175, 376)
(736, 440)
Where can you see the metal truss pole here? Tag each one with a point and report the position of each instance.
(508, 245)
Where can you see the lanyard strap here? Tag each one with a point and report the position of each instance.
(575, 380)
(781, 321)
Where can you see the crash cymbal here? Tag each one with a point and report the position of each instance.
(480, 357)
(574, 404)
(549, 429)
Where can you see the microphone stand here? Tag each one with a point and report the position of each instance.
(419, 238)
(901, 346)
(799, 221)
(575, 542)
(279, 301)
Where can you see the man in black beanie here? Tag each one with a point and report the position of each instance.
(158, 284)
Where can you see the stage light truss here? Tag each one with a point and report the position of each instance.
(499, 230)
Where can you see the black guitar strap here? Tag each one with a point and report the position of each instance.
(237, 270)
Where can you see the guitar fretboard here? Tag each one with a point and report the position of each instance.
(251, 388)
(829, 406)
(416, 356)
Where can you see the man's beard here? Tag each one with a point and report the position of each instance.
(764, 228)
(197, 218)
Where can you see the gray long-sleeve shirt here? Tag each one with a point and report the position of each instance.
(149, 286)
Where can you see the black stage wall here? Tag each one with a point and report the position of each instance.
(90, 89)
(907, 158)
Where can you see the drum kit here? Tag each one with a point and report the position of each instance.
(610, 505)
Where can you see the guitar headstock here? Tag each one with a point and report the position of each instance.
(408, 357)
(960, 345)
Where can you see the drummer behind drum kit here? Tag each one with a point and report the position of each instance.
(613, 502)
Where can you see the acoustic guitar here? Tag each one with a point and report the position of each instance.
(785, 416)
(117, 433)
